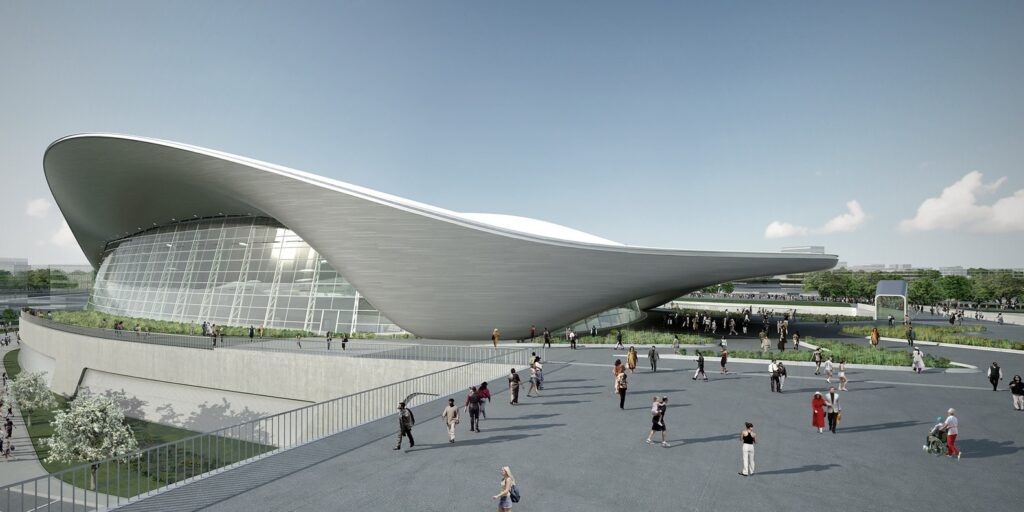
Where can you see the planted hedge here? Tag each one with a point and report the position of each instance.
(953, 335)
(852, 353)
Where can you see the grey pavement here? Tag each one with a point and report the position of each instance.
(573, 449)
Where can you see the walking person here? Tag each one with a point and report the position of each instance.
(618, 340)
(450, 415)
(658, 421)
(1017, 391)
(405, 423)
(504, 496)
(725, 360)
(910, 335)
(748, 439)
(344, 341)
(842, 375)
(330, 336)
(621, 384)
(652, 357)
(951, 427)
(513, 387)
(252, 332)
(485, 398)
(631, 359)
(816, 357)
(782, 375)
(773, 375)
(495, 337)
(995, 374)
(534, 383)
(617, 368)
(918, 358)
(796, 340)
(874, 336)
(700, 367)
(818, 412)
(473, 408)
(828, 370)
(547, 338)
(833, 408)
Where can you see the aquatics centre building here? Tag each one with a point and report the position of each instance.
(182, 233)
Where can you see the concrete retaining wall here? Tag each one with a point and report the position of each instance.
(203, 389)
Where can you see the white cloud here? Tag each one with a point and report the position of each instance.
(849, 221)
(783, 229)
(63, 237)
(957, 208)
(38, 208)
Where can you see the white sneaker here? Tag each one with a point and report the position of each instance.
(924, 447)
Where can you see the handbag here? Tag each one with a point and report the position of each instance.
(839, 417)
(513, 493)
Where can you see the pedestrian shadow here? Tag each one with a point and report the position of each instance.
(534, 426)
(471, 442)
(869, 389)
(559, 388)
(557, 402)
(572, 394)
(802, 469)
(712, 439)
(983, 448)
(573, 380)
(657, 391)
(526, 417)
(882, 426)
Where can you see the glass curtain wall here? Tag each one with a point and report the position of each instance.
(232, 271)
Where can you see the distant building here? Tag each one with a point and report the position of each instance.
(14, 265)
(805, 249)
(953, 271)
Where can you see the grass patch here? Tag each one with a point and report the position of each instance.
(763, 302)
(162, 467)
(953, 335)
(852, 353)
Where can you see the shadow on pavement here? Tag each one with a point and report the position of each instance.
(881, 426)
(981, 448)
(471, 442)
(801, 469)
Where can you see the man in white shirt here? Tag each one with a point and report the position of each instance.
(450, 415)
(832, 408)
(773, 373)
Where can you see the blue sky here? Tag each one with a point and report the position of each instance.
(691, 125)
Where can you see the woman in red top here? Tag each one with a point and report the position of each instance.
(485, 397)
(818, 412)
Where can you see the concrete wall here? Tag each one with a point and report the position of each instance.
(203, 389)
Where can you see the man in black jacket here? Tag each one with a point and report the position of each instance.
(405, 422)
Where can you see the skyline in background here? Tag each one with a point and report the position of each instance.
(888, 133)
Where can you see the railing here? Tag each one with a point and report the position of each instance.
(126, 478)
(314, 346)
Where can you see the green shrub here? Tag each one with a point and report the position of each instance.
(852, 353)
(953, 335)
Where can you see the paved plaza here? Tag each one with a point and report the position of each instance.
(573, 449)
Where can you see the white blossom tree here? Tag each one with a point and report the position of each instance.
(30, 392)
(91, 430)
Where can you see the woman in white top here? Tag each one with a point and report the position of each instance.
(951, 427)
(918, 365)
(828, 370)
(842, 375)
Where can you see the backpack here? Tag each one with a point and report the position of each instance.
(513, 494)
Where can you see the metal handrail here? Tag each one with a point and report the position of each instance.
(208, 453)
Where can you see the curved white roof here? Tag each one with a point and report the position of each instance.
(434, 272)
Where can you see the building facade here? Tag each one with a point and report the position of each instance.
(190, 234)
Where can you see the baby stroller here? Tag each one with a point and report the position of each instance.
(936, 441)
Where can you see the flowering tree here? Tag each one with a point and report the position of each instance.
(91, 430)
(31, 393)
